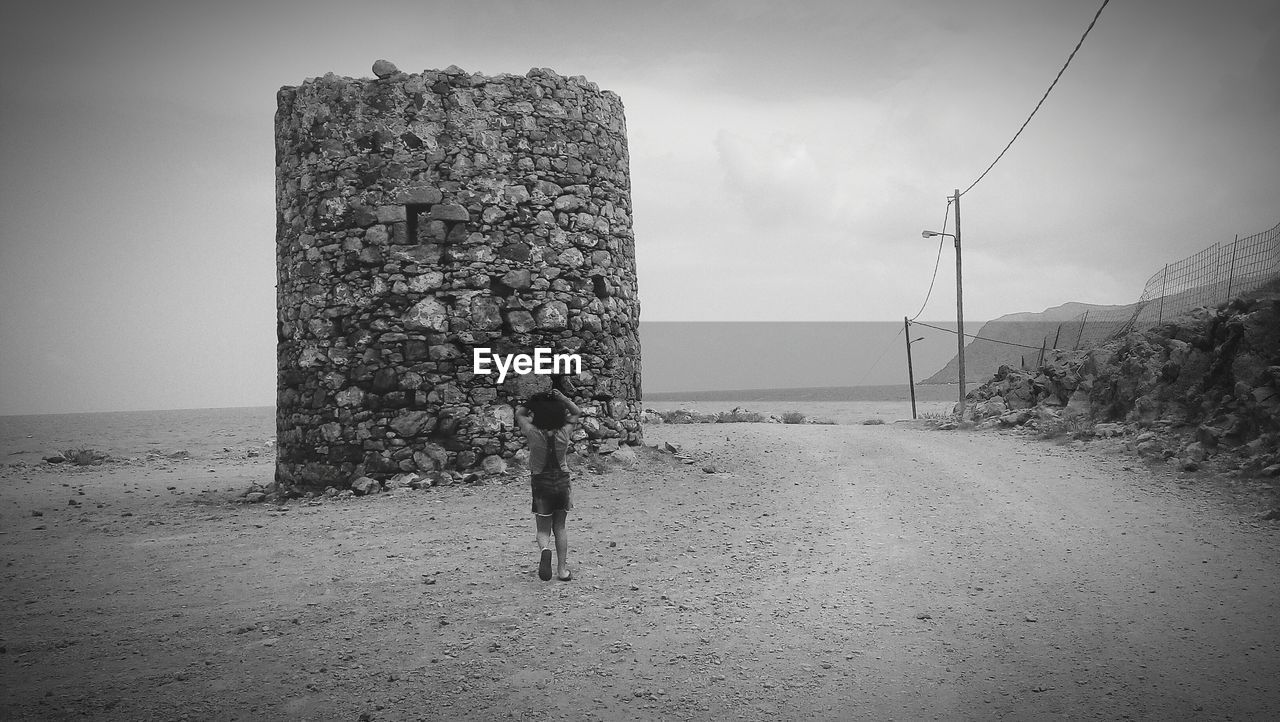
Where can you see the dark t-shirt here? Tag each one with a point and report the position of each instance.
(539, 459)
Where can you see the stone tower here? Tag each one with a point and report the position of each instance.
(422, 216)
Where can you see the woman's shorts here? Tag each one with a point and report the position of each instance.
(551, 492)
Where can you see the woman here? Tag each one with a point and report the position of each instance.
(547, 419)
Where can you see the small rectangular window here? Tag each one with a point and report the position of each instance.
(412, 214)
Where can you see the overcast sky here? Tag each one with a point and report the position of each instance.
(785, 157)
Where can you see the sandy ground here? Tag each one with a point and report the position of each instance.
(824, 572)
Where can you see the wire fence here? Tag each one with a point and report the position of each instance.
(1213, 276)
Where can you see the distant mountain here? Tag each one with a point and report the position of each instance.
(1064, 326)
(1065, 312)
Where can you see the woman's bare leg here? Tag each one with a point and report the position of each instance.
(562, 544)
(543, 522)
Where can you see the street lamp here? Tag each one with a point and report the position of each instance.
(959, 297)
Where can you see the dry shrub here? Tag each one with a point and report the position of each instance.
(739, 416)
(685, 416)
(86, 457)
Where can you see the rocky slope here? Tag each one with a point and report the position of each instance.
(983, 355)
(1202, 389)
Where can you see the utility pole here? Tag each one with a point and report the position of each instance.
(911, 374)
(959, 299)
(959, 307)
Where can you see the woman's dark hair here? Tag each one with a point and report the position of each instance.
(549, 413)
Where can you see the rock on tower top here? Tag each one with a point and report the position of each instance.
(384, 68)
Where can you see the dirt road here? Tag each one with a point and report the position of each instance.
(824, 572)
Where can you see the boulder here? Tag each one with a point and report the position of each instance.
(1150, 448)
(366, 485)
(1108, 430)
(519, 279)
(431, 458)
(625, 456)
(384, 68)
(1019, 394)
(553, 316)
(1208, 436)
(409, 424)
(521, 321)
(449, 212)
(486, 314)
(427, 315)
(994, 406)
(407, 479)
(493, 465)
(1195, 451)
(1018, 417)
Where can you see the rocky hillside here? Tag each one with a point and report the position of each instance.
(983, 356)
(1204, 388)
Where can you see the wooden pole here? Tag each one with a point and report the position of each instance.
(1164, 283)
(959, 306)
(1231, 275)
(911, 376)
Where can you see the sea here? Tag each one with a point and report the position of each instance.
(201, 433)
(204, 433)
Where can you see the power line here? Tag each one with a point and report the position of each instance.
(941, 239)
(983, 338)
(883, 351)
(1042, 99)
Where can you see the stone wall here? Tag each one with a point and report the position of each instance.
(421, 216)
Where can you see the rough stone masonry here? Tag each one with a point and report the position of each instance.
(421, 216)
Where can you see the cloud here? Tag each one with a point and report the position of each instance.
(776, 179)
